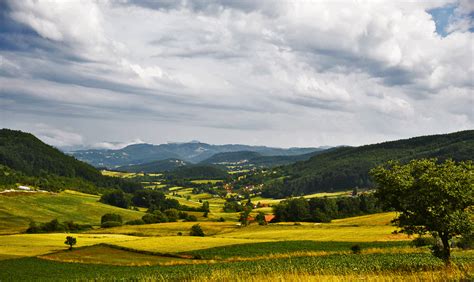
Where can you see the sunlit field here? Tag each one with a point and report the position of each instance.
(17, 210)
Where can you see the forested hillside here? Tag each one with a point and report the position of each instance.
(26, 159)
(199, 172)
(254, 159)
(348, 167)
(156, 166)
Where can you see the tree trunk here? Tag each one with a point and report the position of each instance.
(446, 248)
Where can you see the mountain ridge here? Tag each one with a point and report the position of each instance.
(194, 152)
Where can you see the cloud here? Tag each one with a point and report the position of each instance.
(237, 71)
(114, 145)
(57, 137)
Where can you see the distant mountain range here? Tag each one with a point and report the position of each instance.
(193, 152)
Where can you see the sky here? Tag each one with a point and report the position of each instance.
(105, 74)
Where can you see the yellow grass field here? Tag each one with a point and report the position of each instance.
(38, 244)
(100, 254)
(175, 244)
(168, 229)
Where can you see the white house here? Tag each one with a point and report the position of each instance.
(24, 188)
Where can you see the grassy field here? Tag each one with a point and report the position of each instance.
(120, 174)
(165, 251)
(168, 229)
(206, 181)
(254, 253)
(20, 245)
(340, 266)
(16, 210)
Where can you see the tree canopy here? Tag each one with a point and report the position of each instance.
(431, 197)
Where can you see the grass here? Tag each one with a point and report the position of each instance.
(120, 174)
(37, 244)
(102, 254)
(369, 228)
(168, 229)
(336, 266)
(268, 249)
(177, 244)
(206, 181)
(17, 211)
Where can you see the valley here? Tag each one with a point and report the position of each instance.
(215, 220)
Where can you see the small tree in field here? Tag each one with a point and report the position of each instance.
(196, 231)
(431, 197)
(71, 241)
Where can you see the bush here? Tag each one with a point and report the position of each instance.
(172, 215)
(55, 226)
(109, 224)
(135, 222)
(111, 217)
(191, 218)
(466, 242)
(155, 217)
(356, 249)
(221, 219)
(423, 241)
(196, 231)
(183, 215)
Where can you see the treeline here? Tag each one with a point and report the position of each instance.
(198, 172)
(151, 199)
(56, 226)
(28, 160)
(325, 209)
(348, 167)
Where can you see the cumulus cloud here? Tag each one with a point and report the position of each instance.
(261, 72)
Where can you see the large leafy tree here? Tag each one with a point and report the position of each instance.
(432, 197)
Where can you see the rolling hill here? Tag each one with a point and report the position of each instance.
(347, 167)
(26, 159)
(156, 166)
(194, 152)
(18, 209)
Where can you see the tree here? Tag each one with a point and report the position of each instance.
(196, 231)
(71, 241)
(111, 217)
(116, 198)
(260, 218)
(244, 216)
(431, 197)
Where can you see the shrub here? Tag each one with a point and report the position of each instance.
(109, 224)
(466, 242)
(191, 218)
(111, 217)
(196, 231)
(183, 215)
(172, 215)
(180, 233)
(221, 219)
(155, 217)
(135, 222)
(55, 226)
(423, 241)
(356, 249)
